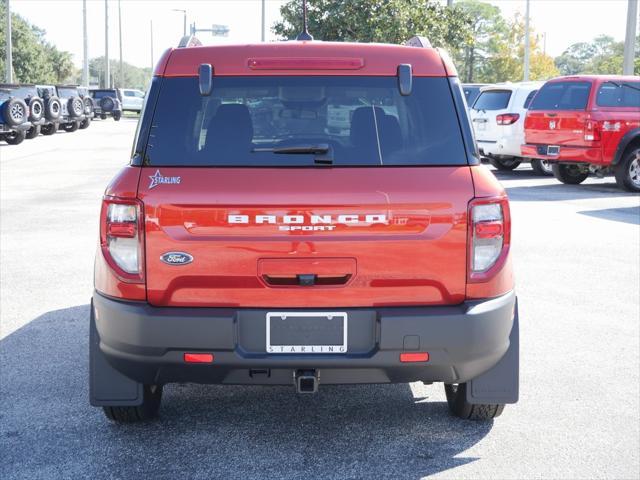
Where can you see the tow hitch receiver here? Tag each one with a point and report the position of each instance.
(306, 381)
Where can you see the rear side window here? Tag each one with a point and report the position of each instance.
(562, 96)
(302, 121)
(619, 94)
(493, 100)
(527, 100)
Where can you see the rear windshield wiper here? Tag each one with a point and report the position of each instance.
(322, 151)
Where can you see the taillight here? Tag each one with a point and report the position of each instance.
(507, 118)
(489, 237)
(591, 131)
(121, 237)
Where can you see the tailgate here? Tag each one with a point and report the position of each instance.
(306, 237)
(555, 127)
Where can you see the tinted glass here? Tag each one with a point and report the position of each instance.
(527, 101)
(619, 94)
(67, 92)
(470, 94)
(103, 93)
(562, 96)
(493, 100)
(129, 93)
(362, 121)
(23, 92)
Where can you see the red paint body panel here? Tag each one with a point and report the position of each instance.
(417, 258)
(569, 131)
(378, 59)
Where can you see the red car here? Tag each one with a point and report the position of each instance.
(249, 243)
(587, 123)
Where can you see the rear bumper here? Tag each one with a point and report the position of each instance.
(23, 127)
(504, 146)
(567, 153)
(146, 344)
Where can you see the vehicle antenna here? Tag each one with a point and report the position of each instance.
(304, 35)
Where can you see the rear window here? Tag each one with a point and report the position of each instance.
(67, 92)
(527, 100)
(493, 100)
(303, 121)
(562, 96)
(103, 93)
(619, 94)
(470, 94)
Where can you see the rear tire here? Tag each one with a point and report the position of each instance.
(117, 116)
(103, 116)
(50, 129)
(151, 399)
(459, 407)
(627, 172)
(505, 164)
(33, 132)
(541, 167)
(71, 127)
(569, 173)
(85, 123)
(15, 138)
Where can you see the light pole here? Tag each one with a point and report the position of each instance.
(263, 36)
(120, 39)
(107, 73)
(9, 59)
(85, 47)
(184, 20)
(630, 38)
(151, 31)
(526, 45)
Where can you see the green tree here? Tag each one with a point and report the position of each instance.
(34, 59)
(388, 21)
(603, 55)
(488, 32)
(134, 77)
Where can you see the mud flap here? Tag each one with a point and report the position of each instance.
(107, 386)
(501, 383)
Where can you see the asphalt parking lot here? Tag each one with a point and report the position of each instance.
(577, 260)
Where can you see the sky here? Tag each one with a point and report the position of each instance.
(563, 21)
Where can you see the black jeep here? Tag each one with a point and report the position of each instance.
(73, 107)
(107, 102)
(35, 106)
(52, 109)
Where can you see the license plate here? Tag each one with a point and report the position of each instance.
(481, 125)
(306, 332)
(553, 150)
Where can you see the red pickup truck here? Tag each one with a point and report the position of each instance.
(587, 124)
(251, 242)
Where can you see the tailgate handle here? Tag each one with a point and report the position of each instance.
(305, 280)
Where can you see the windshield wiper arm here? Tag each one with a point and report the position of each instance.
(323, 151)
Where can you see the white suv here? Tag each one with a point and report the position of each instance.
(132, 99)
(498, 116)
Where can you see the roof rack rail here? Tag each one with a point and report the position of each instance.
(418, 41)
(189, 41)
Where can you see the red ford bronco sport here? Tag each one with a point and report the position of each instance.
(304, 213)
(586, 124)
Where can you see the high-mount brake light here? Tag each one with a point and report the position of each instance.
(307, 63)
(507, 118)
(121, 237)
(489, 237)
(591, 131)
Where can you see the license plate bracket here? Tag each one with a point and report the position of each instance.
(306, 332)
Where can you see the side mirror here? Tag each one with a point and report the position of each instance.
(405, 79)
(205, 72)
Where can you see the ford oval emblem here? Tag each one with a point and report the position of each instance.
(176, 258)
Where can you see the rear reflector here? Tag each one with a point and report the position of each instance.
(305, 63)
(414, 357)
(198, 357)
